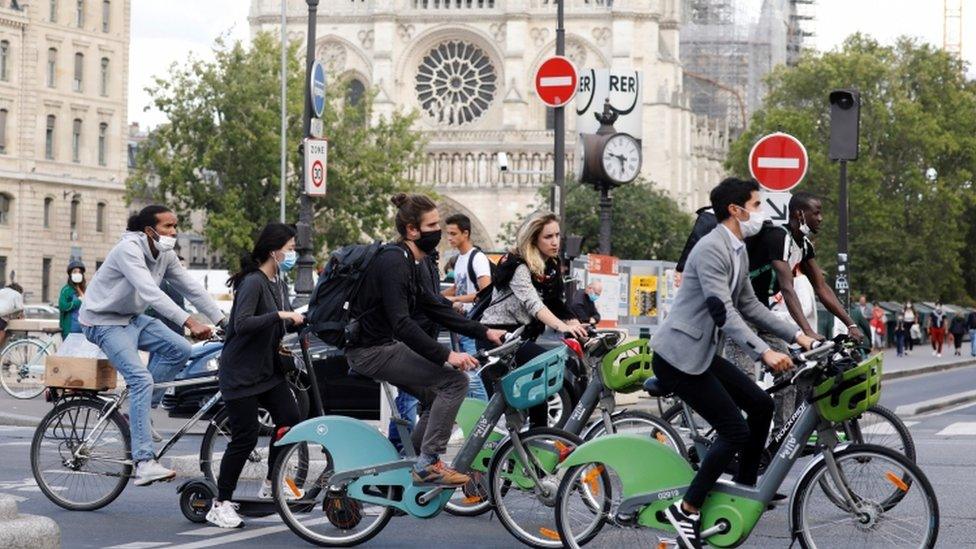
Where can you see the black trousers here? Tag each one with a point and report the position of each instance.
(720, 394)
(242, 414)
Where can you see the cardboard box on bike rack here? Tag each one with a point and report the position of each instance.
(79, 373)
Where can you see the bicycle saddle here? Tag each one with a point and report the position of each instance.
(655, 388)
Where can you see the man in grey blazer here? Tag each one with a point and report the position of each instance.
(715, 298)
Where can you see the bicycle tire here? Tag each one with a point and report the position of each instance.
(666, 432)
(862, 453)
(6, 355)
(62, 409)
(474, 488)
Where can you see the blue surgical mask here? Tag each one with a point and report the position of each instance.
(286, 264)
(593, 297)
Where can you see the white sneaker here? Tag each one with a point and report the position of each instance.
(224, 515)
(150, 471)
(156, 437)
(265, 492)
(939, 355)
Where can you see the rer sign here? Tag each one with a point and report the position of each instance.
(778, 162)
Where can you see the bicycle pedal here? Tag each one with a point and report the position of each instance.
(667, 543)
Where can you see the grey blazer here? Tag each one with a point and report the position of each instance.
(708, 303)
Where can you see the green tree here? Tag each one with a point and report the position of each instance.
(646, 222)
(219, 150)
(907, 231)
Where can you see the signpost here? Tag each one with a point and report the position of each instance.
(317, 85)
(316, 162)
(606, 269)
(778, 162)
(776, 206)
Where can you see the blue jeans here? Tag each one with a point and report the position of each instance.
(476, 387)
(900, 342)
(168, 355)
(407, 408)
(972, 342)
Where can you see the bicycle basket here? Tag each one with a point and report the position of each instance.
(850, 393)
(537, 380)
(627, 366)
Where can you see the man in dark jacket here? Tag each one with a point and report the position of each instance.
(704, 223)
(584, 303)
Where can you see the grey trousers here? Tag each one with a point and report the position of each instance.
(440, 389)
(786, 400)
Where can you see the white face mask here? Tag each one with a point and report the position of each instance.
(753, 225)
(165, 243)
(77, 278)
(804, 228)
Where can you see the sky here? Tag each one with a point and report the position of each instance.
(171, 31)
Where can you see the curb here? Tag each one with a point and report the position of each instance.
(936, 404)
(26, 531)
(898, 374)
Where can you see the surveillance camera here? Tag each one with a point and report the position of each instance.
(503, 161)
(842, 98)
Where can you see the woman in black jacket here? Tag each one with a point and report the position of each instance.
(250, 375)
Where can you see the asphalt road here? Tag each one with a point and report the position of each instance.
(144, 518)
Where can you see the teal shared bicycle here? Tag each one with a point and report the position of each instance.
(849, 495)
(354, 481)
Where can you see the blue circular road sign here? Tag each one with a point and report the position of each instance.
(317, 84)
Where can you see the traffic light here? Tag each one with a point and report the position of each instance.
(845, 120)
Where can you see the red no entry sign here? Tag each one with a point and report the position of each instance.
(555, 81)
(778, 161)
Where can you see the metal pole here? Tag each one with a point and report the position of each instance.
(284, 107)
(559, 128)
(843, 283)
(303, 278)
(606, 214)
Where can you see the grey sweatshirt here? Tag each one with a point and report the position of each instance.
(516, 305)
(128, 282)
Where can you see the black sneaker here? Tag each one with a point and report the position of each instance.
(687, 525)
(778, 499)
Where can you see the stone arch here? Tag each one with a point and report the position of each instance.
(355, 58)
(447, 207)
(571, 38)
(427, 40)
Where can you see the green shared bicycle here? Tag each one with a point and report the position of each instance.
(844, 497)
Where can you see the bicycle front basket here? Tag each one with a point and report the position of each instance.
(537, 380)
(627, 366)
(850, 393)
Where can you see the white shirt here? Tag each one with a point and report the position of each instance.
(11, 301)
(463, 286)
(737, 246)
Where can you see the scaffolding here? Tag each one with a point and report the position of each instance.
(729, 46)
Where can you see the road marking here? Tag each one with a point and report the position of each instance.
(934, 404)
(18, 499)
(243, 536)
(962, 428)
(774, 162)
(554, 81)
(206, 531)
(23, 443)
(139, 545)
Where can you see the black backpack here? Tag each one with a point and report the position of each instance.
(492, 268)
(501, 275)
(329, 310)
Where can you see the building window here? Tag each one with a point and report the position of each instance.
(46, 280)
(104, 80)
(100, 218)
(48, 203)
(52, 66)
(106, 15)
(80, 14)
(3, 131)
(76, 140)
(133, 151)
(102, 147)
(49, 138)
(79, 70)
(550, 118)
(53, 11)
(75, 206)
(4, 60)
(456, 83)
(5, 200)
(3, 271)
(354, 91)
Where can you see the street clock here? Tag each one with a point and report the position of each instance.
(608, 157)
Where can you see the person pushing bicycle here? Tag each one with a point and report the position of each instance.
(717, 297)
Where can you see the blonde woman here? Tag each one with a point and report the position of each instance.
(529, 292)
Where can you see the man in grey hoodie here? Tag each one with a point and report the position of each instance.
(112, 317)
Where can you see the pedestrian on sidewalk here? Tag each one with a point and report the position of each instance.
(937, 329)
(901, 334)
(69, 301)
(971, 324)
(911, 318)
(958, 330)
(878, 328)
(11, 307)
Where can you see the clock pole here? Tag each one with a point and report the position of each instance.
(606, 218)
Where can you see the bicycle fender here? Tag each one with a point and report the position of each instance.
(643, 465)
(352, 444)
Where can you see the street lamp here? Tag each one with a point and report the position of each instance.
(303, 276)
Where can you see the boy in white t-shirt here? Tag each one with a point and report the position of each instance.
(11, 307)
(472, 272)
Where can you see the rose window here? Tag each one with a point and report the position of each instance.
(456, 83)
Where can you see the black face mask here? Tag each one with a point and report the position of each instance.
(428, 241)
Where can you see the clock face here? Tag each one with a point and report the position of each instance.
(621, 158)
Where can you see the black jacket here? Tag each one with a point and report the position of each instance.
(704, 223)
(248, 362)
(584, 308)
(390, 295)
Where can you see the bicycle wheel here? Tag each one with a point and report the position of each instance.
(674, 417)
(559, 407)
(879, 425)
(77, 466)
(635, 422)
(22, 368)
(256, 467)
(526, 514)
(868, 472)
(324, 517)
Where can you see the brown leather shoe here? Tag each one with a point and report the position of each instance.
(440, 474)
